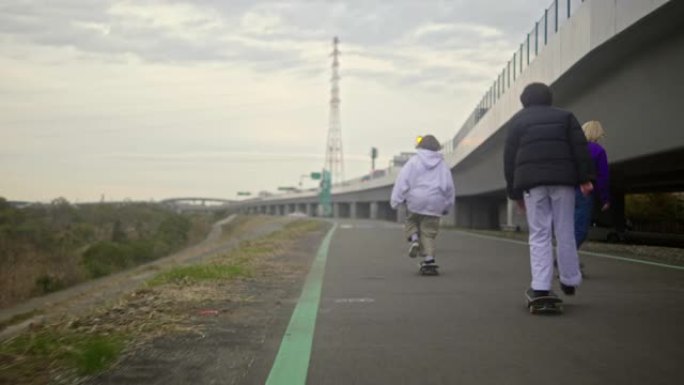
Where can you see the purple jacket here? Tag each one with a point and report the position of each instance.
(598, 155)
(425, 183)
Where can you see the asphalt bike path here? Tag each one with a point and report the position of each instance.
(380, 322)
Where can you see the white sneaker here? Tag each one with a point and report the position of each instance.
(414, 249)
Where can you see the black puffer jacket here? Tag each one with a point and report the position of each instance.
(544, 146)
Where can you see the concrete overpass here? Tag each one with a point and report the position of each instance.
(196, 203)
(618, 62)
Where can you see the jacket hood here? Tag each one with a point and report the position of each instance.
(430, 159)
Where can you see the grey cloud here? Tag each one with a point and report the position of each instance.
(376, 25)
(147, 42)
(442, 79)
(381, 22)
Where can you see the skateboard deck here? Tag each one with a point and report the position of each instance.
(550, 304)
(430, 269)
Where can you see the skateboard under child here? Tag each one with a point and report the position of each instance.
(549, 304)
(428, 269)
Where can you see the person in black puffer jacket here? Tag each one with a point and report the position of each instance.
(545, 158)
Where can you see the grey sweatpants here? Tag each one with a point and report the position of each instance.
(427, 227)
(552, 208)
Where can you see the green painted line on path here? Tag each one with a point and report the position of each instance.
(292, 362)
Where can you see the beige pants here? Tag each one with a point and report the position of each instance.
(426, 226)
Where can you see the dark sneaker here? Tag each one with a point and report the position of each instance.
(568, 290)
(414, 249)
(428, 262)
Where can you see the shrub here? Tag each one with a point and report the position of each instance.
(106, 257)
(48, 284)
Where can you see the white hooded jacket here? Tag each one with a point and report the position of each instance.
(425, 184)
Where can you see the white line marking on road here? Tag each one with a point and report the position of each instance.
(594, 254)
(354, 300)
(370, 226)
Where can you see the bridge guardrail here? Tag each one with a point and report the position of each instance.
(548, 25)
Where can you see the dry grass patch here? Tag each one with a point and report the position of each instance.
(67, 349)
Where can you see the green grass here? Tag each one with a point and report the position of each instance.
(199, 273)
(304, 225)
(235, 263)
(31, 356)
(96, 353)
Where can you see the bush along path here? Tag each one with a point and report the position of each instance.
(224, 235)
(45, 248)
(167, 330)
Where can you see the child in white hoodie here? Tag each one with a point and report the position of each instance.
(426, 185)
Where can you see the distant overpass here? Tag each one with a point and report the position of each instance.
(620, 62)
(197, 203)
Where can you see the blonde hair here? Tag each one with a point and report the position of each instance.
(593, 130)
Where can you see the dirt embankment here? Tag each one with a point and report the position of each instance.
(204, 320)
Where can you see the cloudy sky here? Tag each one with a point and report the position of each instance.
(157, 99)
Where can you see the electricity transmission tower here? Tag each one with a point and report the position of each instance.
(334, 160)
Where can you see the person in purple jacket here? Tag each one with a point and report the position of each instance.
(426, 185)
(584, 203)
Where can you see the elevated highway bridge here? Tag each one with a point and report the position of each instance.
(621, 63)
(197, 203)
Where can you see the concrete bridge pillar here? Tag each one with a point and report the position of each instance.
(352, 210)
(374, 210)
(336, 210)
(510, 207)
(509, 222)
(511, 218)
